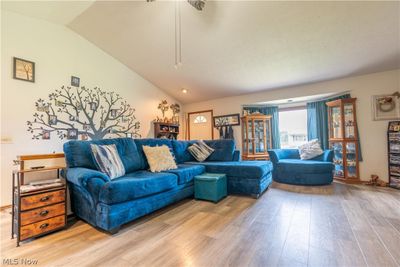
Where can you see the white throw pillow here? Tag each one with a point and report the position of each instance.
(159, 158)
(108, 160)
(200, 151)
(310, 150)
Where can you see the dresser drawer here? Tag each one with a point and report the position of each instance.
(39, 214)
(40, 200)
(42, 227)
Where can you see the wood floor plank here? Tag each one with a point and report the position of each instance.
(336, 225)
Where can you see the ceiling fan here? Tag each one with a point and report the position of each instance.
(199, 5)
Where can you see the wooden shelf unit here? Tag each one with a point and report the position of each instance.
(166, 130)
(256, 136)
(343, 139)
(37, 212)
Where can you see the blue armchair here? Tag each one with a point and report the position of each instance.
(290, 169)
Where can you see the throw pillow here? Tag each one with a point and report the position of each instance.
(200, 151)
(159, 158)
(108, 160)
(310, 150)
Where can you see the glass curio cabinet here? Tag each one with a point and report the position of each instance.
(256, 135)
(343, 139)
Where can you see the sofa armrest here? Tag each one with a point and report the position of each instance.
(274, 155)
(236, 155)
(81, 176)
(327, 156)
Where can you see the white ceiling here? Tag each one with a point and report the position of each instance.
(239, 47)
(60, 12)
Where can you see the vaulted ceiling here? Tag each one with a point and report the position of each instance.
(238, 47)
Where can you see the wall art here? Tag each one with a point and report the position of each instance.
(386, 107)
(24, 70)
(83, 113)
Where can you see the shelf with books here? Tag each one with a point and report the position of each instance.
(393, 137)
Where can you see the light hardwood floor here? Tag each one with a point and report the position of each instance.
(336, 225)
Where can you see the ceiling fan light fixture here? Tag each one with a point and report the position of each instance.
(198, 4)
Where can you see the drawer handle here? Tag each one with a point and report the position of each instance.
(45, 198)
(43, 225)
(44, 213)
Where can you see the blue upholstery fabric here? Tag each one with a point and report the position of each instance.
(223, 149)
(304, 166)
(244, 177)
(181, 152)
(186, 172)
(111, 216)
(150, 142)
(290, 169)
(245, 169)
(210, 186)
(109, 204)
(79, 153)
(236, 155)
(80, 176)
(136, 185)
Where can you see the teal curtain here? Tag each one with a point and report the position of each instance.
(317, 122)
(269, 110)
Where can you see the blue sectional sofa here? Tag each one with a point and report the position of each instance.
(108, 204)
(290, 169)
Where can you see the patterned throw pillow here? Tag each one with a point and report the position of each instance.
(200, 151)
(108, 160)
(310, 150)
(159, 158)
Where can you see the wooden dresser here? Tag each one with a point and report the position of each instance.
(38, 212)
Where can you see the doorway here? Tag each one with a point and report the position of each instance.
(200, 125)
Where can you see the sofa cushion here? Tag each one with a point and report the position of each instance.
(136, 185)
(186, 172)
(151, 142)
(181, 152)
(239, 169)
(303, 166)
(200, 150)
(107, 160)
(79, 153)
(223, 149)
(159, 158)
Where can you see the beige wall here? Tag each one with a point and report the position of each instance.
(58, 53)
(372, 133)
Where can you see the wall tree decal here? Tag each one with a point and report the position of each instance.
(91, 113)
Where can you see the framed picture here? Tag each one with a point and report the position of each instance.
(75, 81)
(24, 70)
(227, 120)
(52, 120)
(72, 134)
(46, 135)
(385, 107)
(84, 137)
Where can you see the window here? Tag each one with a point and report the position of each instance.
(293, 127)
(200, 119)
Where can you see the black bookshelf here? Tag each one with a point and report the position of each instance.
(394, 154)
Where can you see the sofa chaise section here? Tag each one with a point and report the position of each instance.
(290, 169)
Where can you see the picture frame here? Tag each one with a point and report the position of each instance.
(75, 81)
(385, 107)
(23, 70)
(46, 135)
(52, 120)
(227, 120)
(72, 134)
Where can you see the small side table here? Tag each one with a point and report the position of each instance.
(210, 186)
(41, 210)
